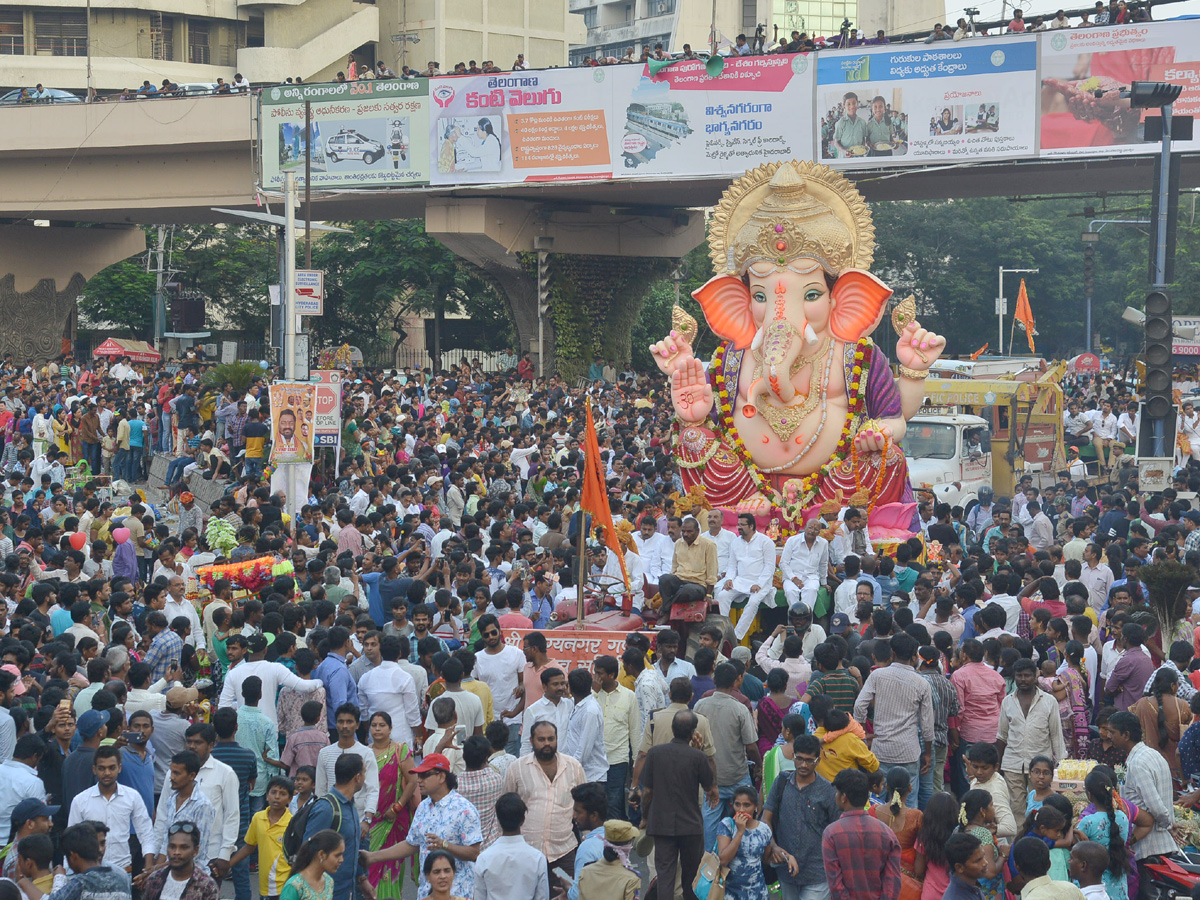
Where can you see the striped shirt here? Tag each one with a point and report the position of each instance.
(903, 699)
(839, 686)
(245, 767)
(945, 705)
(482, 788)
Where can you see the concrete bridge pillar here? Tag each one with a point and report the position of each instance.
(42, 272)
(491, 232)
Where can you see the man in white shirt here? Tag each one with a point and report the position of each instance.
(1096, 577)
(388, 688)
(852, 537)
(656, 551)
(553, 706)
(500, 666)
(1104, 432)
(805, 563)
(274, 676)
(1040, 531)
(119, 807)
(722, 538)
(346, 720)
(19, 781)
(469, 706)
(510, 867)
(584, 737)
(179, 605)
(218, 782)
(751, 574)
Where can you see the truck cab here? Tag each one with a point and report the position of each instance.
(1023, 434)
(949, 454)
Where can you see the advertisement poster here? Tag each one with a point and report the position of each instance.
(520, 126)
(927, 102)
(684, 122)
(364, 133)
(1085, 70)
(293, 421)
(327, 423)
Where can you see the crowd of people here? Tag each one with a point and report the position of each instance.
(385, 707)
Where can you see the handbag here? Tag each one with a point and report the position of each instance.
(709, 883)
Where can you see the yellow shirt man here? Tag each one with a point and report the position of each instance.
(273, 868)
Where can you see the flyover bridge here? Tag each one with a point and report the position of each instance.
(611, 161)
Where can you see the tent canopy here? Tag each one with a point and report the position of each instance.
(1084, 362)
(137, 351)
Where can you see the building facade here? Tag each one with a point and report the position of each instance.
(614, 26)
(197, 41)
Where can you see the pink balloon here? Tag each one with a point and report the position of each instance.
(78, 540)
(120, 535)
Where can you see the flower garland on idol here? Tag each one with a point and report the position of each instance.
(250, 574)
(807, 485)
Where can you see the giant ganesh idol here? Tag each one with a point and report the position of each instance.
(798, 408)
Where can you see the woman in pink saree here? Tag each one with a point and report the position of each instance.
(397, 796)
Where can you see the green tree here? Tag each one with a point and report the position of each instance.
(654, 320)
(122, 296)
(381, 271)
(233, 266)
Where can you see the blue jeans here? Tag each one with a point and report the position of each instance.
(254, 465)
(175, 469)
(120, 458)
(133, 464)
(513, 747)
(713, 817)
(240, 876)
(805, 891)
(616, 787)
(91, 452)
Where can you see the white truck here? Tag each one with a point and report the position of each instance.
(950, 455)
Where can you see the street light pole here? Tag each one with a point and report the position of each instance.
(1002, 307)
(289, 269)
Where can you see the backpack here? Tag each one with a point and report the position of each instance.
(293, 835)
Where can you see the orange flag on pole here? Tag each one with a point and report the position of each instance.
(978, 353)
(594, 496)
(1024, 316)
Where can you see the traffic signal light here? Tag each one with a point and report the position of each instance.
(1089, 269)
(543, 281)
(1159, 401)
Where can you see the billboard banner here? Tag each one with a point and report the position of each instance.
(327, 423)
(681, 122)
(924, 103)
(1084, 71)
(364, 133)
(292, 420)
(548, 125)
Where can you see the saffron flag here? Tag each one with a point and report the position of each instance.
(978, 353)
(1024, 316)
(594, 496)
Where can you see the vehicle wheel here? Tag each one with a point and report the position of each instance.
(371, 158)
(333, 157)
(404, 155)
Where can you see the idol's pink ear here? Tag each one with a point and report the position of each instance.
(726, 304)
(859, 299)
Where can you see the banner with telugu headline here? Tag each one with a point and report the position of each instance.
(364, 133)
(681, 122)
(1009, 97)
(1077, 63)
(913, 104)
